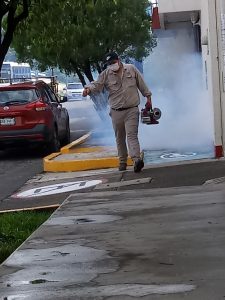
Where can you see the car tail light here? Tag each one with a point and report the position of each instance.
(38, 105)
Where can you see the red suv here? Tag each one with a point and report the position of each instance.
(30, 112)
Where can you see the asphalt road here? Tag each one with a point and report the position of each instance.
(83, 116)
(16, 167)
(21, 164)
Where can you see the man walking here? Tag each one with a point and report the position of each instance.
(122, 81)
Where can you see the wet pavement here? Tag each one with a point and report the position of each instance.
(172, 174)
(158, 234)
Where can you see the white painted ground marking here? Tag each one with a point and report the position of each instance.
(215, 181)
(177, 155)
(57, 188)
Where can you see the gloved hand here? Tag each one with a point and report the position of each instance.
(148, 106)
(147, 109)
(86, 92)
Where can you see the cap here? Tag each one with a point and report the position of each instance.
(111, 56)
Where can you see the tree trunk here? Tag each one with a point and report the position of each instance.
(3, 51)
(87, 71)
(98, 68)
(7, 39)
(4, 46)
(12, 22)
(80, 75)
(78, 72)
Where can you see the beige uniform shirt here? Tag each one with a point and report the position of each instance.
(123, 90)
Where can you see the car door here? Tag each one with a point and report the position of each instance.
(58, 111)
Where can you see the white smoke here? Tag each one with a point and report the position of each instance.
(174, 73)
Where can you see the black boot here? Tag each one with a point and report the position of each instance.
(122, 167)
(138, 165)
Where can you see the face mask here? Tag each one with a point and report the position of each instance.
(114, 67)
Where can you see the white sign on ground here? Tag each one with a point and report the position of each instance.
(57, 188)
(177, 155)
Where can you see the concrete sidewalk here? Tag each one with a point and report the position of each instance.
(92, 152)
(128, 242)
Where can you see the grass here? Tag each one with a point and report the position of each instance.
(16, 227)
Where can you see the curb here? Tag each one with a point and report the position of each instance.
(61, 162)
(69, 148)
(80, 165)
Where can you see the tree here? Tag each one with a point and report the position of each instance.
(75, 35)
(12, 12)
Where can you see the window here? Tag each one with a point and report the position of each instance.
(51, 94)
(74, 86)
(45, 96)
(18, 95)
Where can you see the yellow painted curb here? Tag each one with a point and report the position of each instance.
(69, 148)
(52, 165)
(82, 165)
(88, 149)
(51, 156)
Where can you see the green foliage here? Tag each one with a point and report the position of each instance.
(15, 228)
(75, 35)
(12, 12)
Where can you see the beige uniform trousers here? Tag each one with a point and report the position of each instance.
(125, 124)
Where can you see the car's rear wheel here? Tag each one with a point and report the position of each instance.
(54, 144)
(66, 138)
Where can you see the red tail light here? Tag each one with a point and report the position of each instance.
(38, 105)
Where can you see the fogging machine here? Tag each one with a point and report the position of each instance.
(150, 115)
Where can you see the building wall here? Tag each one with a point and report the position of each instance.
(220, 29)
(166, 6)
(173, 73)
(212, 22)
(210, 56)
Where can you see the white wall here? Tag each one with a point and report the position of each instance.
(166, 6)
(173, 71)
(210, 58)
(220, 18)
(213, 55)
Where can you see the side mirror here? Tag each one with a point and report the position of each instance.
(63, 99)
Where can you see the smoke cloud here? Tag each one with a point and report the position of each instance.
(174, 73)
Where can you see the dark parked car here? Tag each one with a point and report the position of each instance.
(30, 113)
